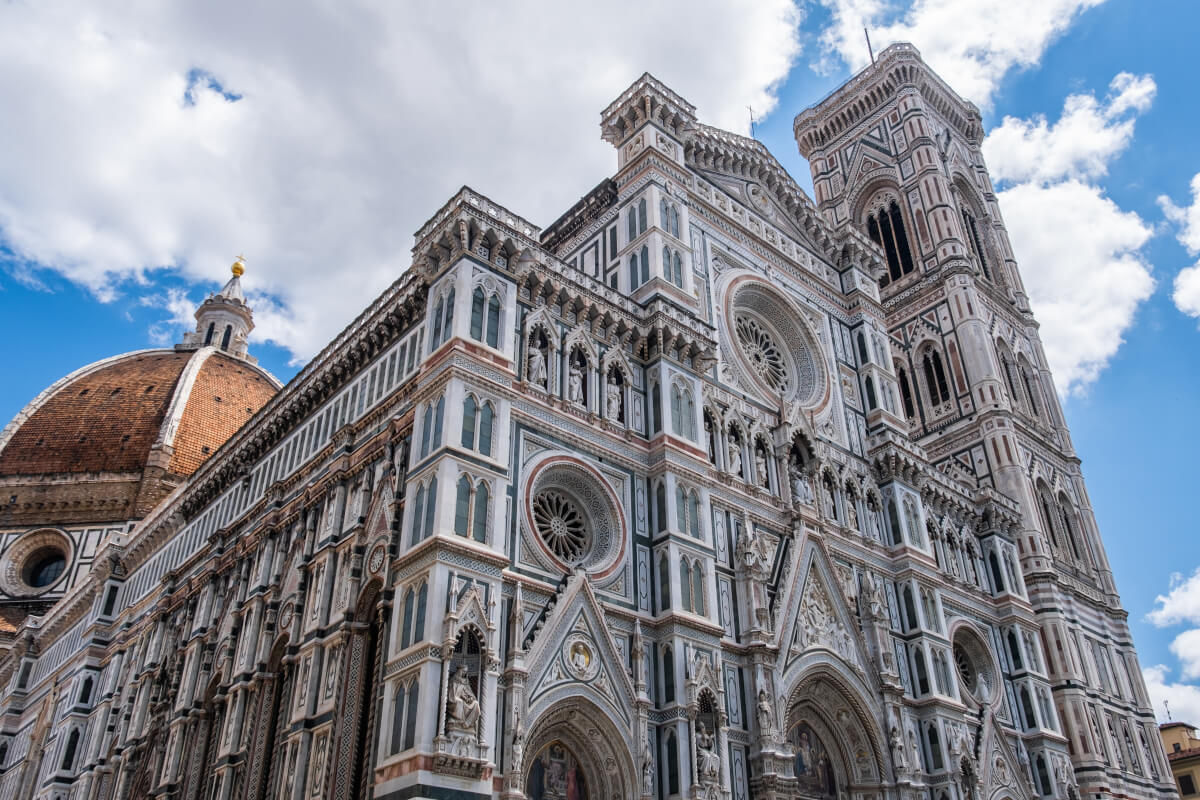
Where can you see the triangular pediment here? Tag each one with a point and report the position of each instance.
(573, 653)
(818, 615)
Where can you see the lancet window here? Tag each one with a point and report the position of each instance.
(886, 227)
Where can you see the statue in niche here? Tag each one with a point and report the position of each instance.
(852, 511)
(801, 487)
(766, 716)
(647, 767)
(735, 456)
(760, 466)
(614, 401)
(463, 710)
(707, 760)
(537, 366)
(897, 745)
(575, 384)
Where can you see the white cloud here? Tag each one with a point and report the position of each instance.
(1187, 282)
(181, 315)
(1182, 698)
(1079, 145)
(972, 45)
(1186, 647)
(1079, 258)
(122, 152)
(1180, 604)
(1079, 253)
(1187, 290)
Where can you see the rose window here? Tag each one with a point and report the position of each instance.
(965, 670)
(769, 346)
(560, 524)
(763, 353)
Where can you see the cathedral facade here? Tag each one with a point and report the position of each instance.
(709, 490)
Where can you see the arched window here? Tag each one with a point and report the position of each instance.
(462, 506)
(672, 764)
(863, 357)
(677, 269)
(1014, 651)
(660, 507)
(68, 761)
(683, 412)
(894, 523)
(479, 520)
(698, 589)
(655, 408)
(685, 585)
(997, 576)
(437, 422)
(435, 336)
(635, 276)
(1043, 776)
(910, 609)
(485, 317)
(694, 514)
(225, 337)
(645, 265)
(407, 618)
(871, 401)
(470, 410)
(976, 244)
(398, 710)
(418, 514)
(886, 228)
(477, 425)
(471, 509)
(642, 215)
(1030, 718)
(1029, 379)
(632, 224)
(208, 336)
(85, 691)
(935, 377)
(1070, 529)
(410, 722)
(922, 686)
(935, 746)
(426, 429)
(906, 395)
(430, 506)
(664, 583)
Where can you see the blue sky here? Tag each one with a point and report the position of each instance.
(149, 149)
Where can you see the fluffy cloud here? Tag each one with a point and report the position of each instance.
(972, 45)
(1079, 252)
(316, 138)
(1187, 282)
(1183, 699)
(1181, 603)
(1080, 145)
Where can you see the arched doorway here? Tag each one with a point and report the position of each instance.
(834, 737)
(575, 752)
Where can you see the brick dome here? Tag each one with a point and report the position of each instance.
(148, 414)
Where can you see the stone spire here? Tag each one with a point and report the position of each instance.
(224, 321)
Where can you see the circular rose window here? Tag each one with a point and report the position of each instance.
(560, 524)
(771, 346)
(973, 661)
(573, 517)
(761, 348)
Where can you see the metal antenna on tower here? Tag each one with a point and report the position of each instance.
(1167, 706)
(753, 122)
(869, 50)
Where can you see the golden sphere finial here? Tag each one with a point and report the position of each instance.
(239, 266)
